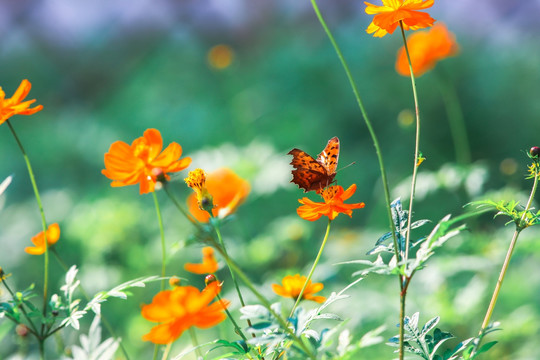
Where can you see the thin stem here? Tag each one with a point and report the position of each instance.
(180, 208)
(32, 328)
(233, 277)
(366, 120)
(519, 228)
(162, 234)
(195, 342)
(233, 266)
(167, 351)
(237, 328)
(308, 279)
(411, 200)
(43, 220)
(458, 130)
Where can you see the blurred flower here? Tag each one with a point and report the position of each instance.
(388, 16)
(220, 56)
(197, 181)
(14, 105)
(52, 234)
(209, 264)
(142, 162)
(228, 191)
(292, 285)
(426, 48)
(332, 206)
(179, 309)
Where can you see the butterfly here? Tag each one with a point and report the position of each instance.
(315, 174)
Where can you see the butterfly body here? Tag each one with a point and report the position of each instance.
(313, 174)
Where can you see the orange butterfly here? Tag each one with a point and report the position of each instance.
(315, 174)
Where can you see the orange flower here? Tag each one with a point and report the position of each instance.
(143, 162)
(14, 105)
(426, 48)
(209, 264)
(228, 191)
(179, 309)
(292, 285)
(53, 234)
(332, 206)
(388, 16)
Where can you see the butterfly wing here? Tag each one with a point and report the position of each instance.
(315, 174)
(308, 173)
(329, 156)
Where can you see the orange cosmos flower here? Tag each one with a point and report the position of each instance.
(332, 206)
(209, 264)
(292, 285)
(53, 234)
(388, 16)
(14, 105)
(179, 309)
(426, 48)
(143, 162)
(227, 189)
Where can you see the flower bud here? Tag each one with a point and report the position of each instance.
(209, 279)
(21, 330)
(174, 281)
(535, 151)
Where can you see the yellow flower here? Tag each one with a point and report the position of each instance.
(388, 16)
(53, 234)
(181, 308)
(197, 181)
(292, 285)
(209, 263)
(15, 105)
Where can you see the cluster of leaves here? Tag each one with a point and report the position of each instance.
(425, 345)
(520, 216)
(445, 229)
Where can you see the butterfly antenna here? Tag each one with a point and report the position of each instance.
(354, 162)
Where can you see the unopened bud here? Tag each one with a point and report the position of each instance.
(21, 330)
(535, 151)
(209, 279)
(174, 281)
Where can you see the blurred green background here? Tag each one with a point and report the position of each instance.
(108, 70)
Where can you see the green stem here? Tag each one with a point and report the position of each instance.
(519, 228)
(195, 342)
(299, 298)
(234, 267)
(458, 130)
(32, 328)
(413, 187)
(43, 220)
(180, 208)
(167, 351)
(233, 277)
(366, 120)
(163, 248)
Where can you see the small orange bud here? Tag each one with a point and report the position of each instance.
(174, 281)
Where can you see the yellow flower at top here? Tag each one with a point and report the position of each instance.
(179, 309)
(426, 48)
(15, 105)
(53, 234)
(227, 189)
(143, 162)
(332, 206)
(209, 263)
(292, 285)
(388, 16)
